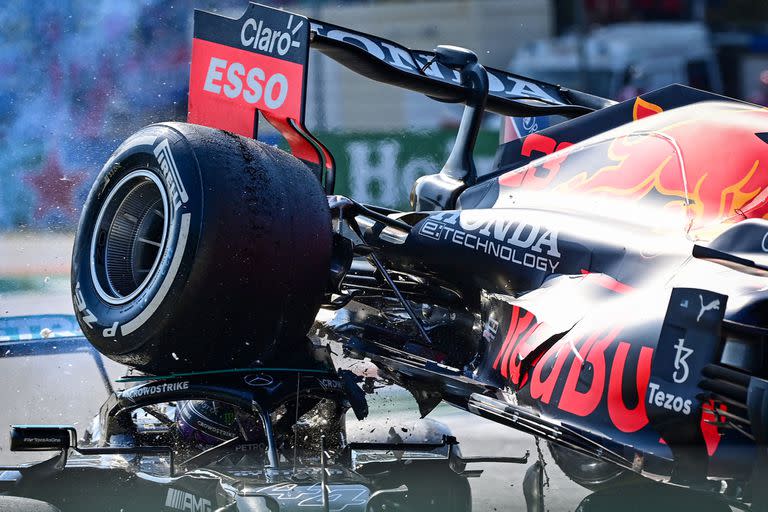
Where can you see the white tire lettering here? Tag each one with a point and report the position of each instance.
(171, 172)
(110, 332)
(86, 315)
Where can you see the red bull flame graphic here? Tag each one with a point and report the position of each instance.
(706, 159)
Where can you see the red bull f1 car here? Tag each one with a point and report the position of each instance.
(602, 287)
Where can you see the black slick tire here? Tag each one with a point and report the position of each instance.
(198, 249)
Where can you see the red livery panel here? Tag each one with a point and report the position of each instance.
(228, 85)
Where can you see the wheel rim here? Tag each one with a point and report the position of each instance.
(130, 237)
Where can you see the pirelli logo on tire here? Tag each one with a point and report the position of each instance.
(171, 173)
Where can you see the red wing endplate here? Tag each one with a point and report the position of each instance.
(257, 63)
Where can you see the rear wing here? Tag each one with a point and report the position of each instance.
(258, 64)
(417, 70)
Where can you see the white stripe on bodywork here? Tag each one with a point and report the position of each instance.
(181, 244)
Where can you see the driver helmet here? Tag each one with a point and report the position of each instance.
(210, 422)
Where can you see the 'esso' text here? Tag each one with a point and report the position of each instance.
(233, 80)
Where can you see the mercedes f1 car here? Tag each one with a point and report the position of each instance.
(273, 439)
(602, 287)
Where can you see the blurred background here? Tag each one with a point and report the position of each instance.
(78, 76)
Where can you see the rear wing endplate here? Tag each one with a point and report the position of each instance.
(258, 64)
(255, 64)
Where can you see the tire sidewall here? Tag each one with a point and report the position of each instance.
(115, 329)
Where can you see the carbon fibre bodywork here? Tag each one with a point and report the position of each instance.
(615, 265)
(133, 458)
(602, 287)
